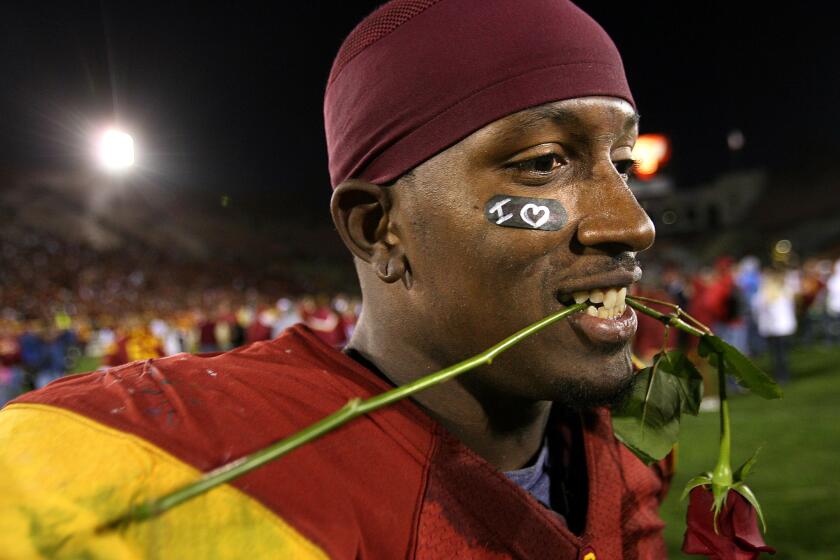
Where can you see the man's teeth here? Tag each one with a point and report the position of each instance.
(612, 300)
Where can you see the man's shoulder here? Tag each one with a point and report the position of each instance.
(83, 449)
(208, 408)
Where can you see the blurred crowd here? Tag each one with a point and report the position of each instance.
(756, 309)
(66, 307)
(35, 352)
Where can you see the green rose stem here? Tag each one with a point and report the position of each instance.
(670, 320)
(679, 310)
(351, 410)
(722, 475)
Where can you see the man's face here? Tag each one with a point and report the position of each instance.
(475, 282)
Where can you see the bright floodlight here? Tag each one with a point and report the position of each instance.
(650, 152)
(116, 150)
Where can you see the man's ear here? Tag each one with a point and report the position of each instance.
(361, 213)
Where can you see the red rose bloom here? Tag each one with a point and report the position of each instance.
(738, 536)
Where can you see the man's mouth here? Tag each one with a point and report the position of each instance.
(606, 322)
(604, 303)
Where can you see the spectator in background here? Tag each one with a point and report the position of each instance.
(320, 317)
(9, 384)
(136, 343)
(748, 280)
(832, 302)
(774, 308)
(260, 328)
(347, 320)
(165, 333)
(102, 339)
(222, 331)
(697, 303)
(33, 353)
(207, 335)
(187, 332)
(287, 315)
(346, 308)
(57, 348)
(726, 303)
(11, 373)
(809, 309)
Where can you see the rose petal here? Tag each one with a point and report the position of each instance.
(745, 524)
(693, 544)
(732, 541)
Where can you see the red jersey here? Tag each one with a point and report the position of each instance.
(392, 484)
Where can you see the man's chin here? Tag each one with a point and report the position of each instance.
(584, 393)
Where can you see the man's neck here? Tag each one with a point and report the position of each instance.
(506, 432)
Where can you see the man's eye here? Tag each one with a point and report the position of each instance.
(542, 164)
(625, 167)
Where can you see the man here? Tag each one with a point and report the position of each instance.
(478, 152)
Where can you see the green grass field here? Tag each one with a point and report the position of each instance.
(797, 477)
(85, 364)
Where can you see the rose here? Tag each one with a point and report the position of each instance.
(737, 536)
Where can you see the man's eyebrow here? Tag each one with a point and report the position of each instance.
(560, 116)
(536, 116)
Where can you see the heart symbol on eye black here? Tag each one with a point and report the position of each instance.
(541, 211)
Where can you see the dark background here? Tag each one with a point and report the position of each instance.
(225, 98)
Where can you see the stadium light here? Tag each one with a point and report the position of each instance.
(115, 150)
(650, 152)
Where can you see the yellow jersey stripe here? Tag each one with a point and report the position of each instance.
(62, 475)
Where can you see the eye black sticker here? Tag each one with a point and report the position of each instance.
(528, 213)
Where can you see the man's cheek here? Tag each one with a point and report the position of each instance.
(544, 214)
(521, 231)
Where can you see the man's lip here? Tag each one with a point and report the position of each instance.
(606, 333)
(612, 279)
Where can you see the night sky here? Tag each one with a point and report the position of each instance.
(226, 97)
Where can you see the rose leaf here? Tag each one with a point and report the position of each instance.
(745, 469)
(648, 421)
(739, 366)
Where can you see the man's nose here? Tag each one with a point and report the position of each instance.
(612, 218)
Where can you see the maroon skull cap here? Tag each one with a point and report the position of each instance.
(417, 76)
